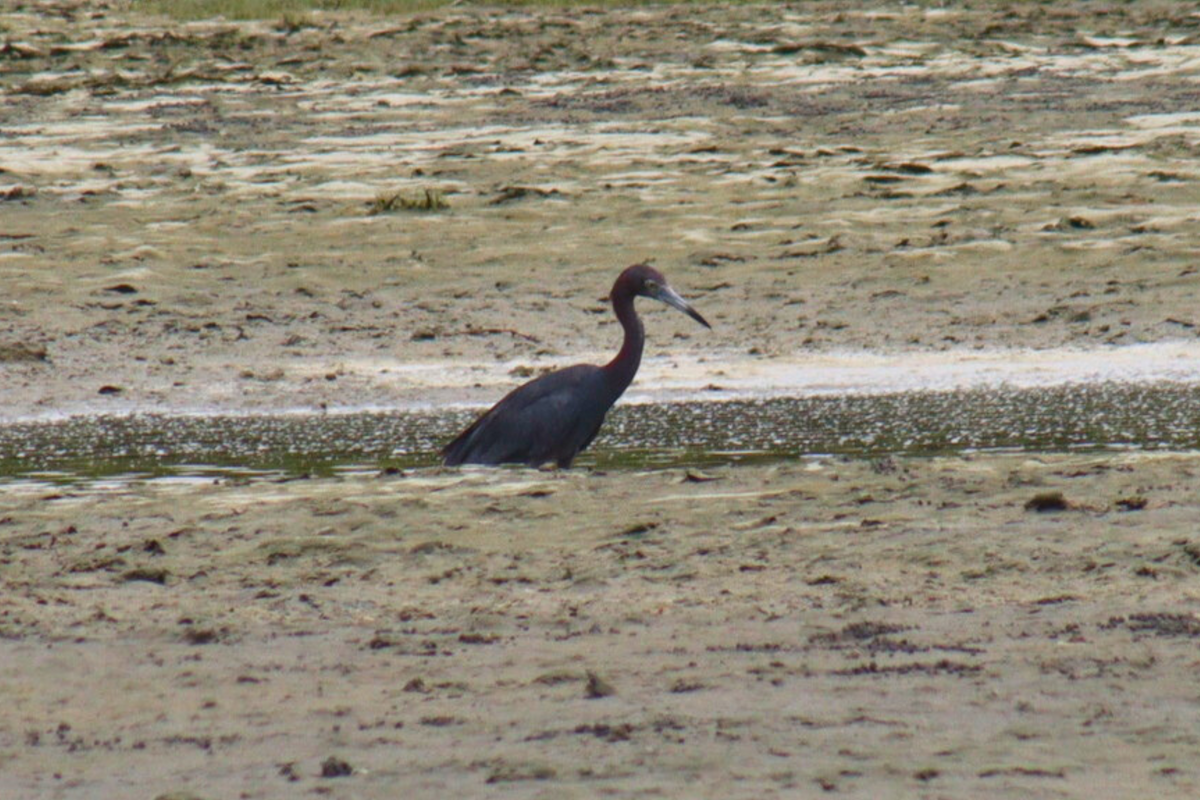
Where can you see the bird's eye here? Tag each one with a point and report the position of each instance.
(650, 285)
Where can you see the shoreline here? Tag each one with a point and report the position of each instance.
(704, 378)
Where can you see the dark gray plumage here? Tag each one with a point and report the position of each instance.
(554, 417)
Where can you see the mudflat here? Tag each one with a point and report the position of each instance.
(220, 215)
(992, 627)
(348, 211)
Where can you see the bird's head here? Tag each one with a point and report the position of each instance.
(646, 281)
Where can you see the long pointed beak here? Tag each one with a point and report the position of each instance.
(669, 296)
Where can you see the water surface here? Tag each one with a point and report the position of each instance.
(1044, 419)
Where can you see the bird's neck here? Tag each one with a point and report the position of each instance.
(624, 366)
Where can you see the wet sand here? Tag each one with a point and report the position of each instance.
(889, 628)
(188, 226)
(189, 222)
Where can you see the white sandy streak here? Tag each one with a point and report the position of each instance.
(717, 377)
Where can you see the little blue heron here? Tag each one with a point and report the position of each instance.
(554, 417)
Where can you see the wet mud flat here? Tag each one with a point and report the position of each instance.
(985, 626)
(228, 216)
(233, 214)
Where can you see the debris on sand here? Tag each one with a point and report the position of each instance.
(22, 352)
(1047, 502)
(598, 687)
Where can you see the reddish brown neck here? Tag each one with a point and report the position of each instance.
(624, 365)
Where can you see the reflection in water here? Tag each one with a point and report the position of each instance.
(1157, 416)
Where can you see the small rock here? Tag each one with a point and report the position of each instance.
(639, 529)
(1134, 503)
(200, 636)
(334, 767)
(147, 574)
(1047, 502)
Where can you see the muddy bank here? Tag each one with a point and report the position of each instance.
(900, 627)
(189, 207)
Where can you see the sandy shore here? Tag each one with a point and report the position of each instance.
(915, 194)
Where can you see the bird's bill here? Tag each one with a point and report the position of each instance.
(669, 296)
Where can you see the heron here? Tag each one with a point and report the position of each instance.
(554, 417)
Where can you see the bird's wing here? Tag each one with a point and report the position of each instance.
(548, 419)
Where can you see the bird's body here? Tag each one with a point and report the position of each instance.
(554, 417)
(549, 419)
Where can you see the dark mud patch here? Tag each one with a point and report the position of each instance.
(1159, 624)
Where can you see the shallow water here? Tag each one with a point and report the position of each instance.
(1042, 419)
